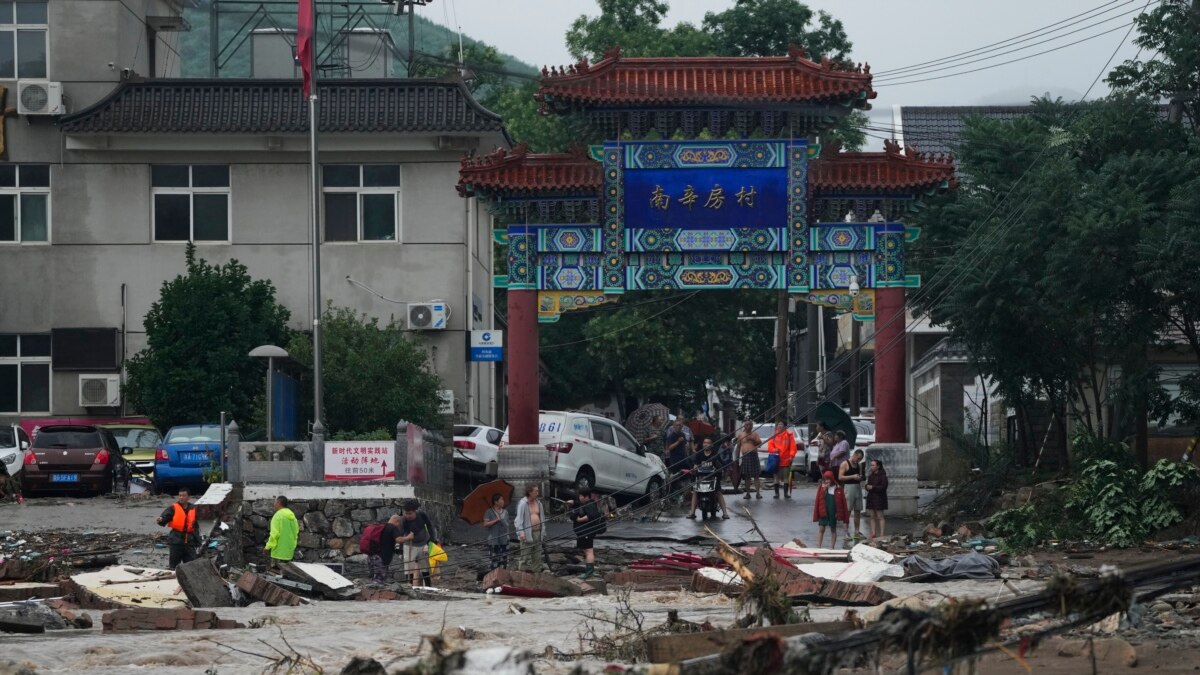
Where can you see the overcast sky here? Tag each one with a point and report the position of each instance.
(888, 34)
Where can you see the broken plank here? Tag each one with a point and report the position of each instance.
(19, 625)
(673, 648)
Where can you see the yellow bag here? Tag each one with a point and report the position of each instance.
(436, 555)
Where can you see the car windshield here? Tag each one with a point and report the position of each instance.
(465, 430)
(136, 438)
(195, 433)
(8, 437)
(67, 440)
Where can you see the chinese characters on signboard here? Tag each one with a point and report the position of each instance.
(360, 460)
(660, 200)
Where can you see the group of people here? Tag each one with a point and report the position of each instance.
(587, 520)
(847, 492)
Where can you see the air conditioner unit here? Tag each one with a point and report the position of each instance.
(428, 315)
(99, 391)
(39, 97)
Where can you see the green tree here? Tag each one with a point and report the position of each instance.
(1170, 34)
(769, 27)
(635, 25)
(543, 133)
(198, 336)
(374, 375)
(1031, 262)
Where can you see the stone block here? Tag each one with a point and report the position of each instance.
(264, 507)
(299, 507)
(202, 584)
(315, 521)
(335, 543)
(342, 527)
(260, 522)
(363, 515)
(308, 540)
(335, 508)
(372, 503)
(257, 587)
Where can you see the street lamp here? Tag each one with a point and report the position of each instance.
(270, 353)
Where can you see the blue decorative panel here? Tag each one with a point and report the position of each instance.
(889, 255)
(569, 239)
(797, 218)
(668, 240)
(569, 272)
(715, 154)
(522, 260)
(847, 237)
(696, 271)
(613, 267)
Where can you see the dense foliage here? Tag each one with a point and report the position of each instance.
(198, 337)
(374, 374)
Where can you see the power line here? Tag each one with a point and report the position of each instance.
(1013, 40)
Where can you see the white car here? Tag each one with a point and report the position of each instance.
(766, 431)
(475, 446)
(14, 444)
(865, 426)
(593, 451)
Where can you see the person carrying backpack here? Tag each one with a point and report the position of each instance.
(379, 543)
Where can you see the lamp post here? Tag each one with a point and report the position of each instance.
(270, 353)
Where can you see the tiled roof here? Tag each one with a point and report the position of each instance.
(277, 107)
(890, 170)
(939, 128)
(519, 171)
(675, 81)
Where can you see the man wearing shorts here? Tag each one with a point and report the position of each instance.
(850, 474)
(747, 447)
(416, 532)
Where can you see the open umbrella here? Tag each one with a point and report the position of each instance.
(702, 429)
(640, 422)
(835, 419)
(479, 501)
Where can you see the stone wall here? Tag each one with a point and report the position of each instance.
(330, 529)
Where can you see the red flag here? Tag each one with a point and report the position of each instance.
(304, 41)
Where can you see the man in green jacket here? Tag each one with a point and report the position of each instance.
(285, 530)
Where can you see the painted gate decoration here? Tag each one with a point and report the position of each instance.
(706, 215)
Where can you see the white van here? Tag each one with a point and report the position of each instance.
(589, 450)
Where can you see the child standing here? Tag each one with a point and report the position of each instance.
(496, 523)
(829, 509)
(877, 501)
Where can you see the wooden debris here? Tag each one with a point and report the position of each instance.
(671, 648)
(202, 584)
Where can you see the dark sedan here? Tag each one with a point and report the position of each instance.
(72, 458)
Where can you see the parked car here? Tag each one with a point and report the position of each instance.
(593, 451)
(185, 454)
(866, 431)
(142, 441)
(14, 444)
(766, 431)
(475, 446)
(77, 458)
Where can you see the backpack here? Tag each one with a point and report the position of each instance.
(371, 536)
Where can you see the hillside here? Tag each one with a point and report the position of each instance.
(431, 38)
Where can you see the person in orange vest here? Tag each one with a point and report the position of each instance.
(783, 443)
(185, 533)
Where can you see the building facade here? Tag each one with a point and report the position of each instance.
(98, 201)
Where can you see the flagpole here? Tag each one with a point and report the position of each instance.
(315, 193)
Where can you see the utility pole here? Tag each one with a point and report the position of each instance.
(781, 356)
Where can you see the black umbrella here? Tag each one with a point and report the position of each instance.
(835, 419)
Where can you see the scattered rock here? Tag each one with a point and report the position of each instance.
(316, 521)
(342, 527)
(361, 665)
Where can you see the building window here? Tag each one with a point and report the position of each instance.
(191, 203)
(24, 374)
(23, 40)
(362, 202)
(24, 203)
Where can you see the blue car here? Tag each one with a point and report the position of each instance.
(185, 454)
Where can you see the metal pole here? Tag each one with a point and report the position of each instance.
(316, 230)
(412, 38)
(214, 37)
(781, 356)
(270, 395)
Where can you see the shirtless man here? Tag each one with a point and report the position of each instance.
(531, 528)
(747, 447)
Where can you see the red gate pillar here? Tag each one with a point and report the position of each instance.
(890, 371)
(522, 367)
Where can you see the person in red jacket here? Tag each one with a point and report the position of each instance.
(829, 509)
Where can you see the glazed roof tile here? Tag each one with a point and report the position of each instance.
(520, 171)
(676, 81)
(890, 170)
(277, 107)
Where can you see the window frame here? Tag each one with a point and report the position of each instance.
(19, 361)
(620, 433)
(16, 27)
(191, 191)
(359, 192)
(17, 191)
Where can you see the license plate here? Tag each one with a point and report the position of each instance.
(64, 478)
(195, 456)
